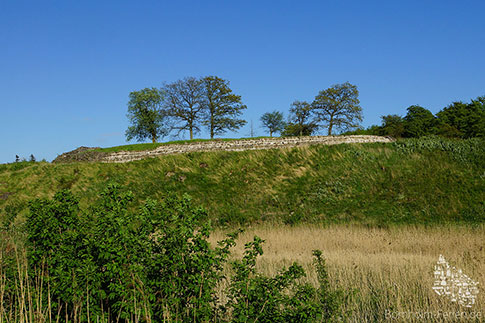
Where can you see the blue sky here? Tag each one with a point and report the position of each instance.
(67, 67)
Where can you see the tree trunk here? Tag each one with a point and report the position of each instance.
(271, 133)
(154, 138)
(212, 125)
(191, 133)
(330, 125)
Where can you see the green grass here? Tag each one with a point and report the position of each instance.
(151, 146)
(409, 182)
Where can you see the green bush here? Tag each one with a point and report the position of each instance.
(254, 297)
(110, 263)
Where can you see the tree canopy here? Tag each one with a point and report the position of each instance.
(221, 107)
(191, 104)
(146, 116)
(419, 122)
(301, 121)
(338, 107)
(463, 120)
(273, 121)
(183, 101)
(392, 125)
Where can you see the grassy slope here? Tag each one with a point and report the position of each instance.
(410, 182)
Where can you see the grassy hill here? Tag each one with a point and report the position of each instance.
(422, 181)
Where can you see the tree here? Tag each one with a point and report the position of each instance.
(145, 113)
(273, 121)
(419, 122)
(392, 125)
(17, 158)
(477, 117)
(183, 100)
(32, 158)
(463, 120)
(301, 121)
(221, 106)
(338, 107)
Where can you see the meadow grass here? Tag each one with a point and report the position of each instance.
(375, 184)
(386, 271)
(381, 213)
(391, 270)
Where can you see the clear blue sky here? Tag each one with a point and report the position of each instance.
(67, 67)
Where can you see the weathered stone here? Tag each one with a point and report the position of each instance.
(239, 145)
(81, 154)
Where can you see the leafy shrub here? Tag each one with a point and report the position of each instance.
(110, 263)
(467, 150)
(254, 297)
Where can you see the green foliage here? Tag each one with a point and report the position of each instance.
(221, 106)
(338, 107)
(57, 246)
(301, 121)
(273, 121)
(471, 151)
(254, 297)
(392, 125)
(15, 166)
(372, 184)
(109, 262)
(463, 120)
(293, 130)
(419, 122)
(458, 120)
(183, 101)
(184, 270)
(146, 116)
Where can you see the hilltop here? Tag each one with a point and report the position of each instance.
(416, 181)
(127, 153)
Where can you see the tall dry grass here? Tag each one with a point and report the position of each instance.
(32, 300)
(391, 270)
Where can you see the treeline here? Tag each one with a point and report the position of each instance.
(192, 103)
(184, 105)
(336, 108)
(457, 120)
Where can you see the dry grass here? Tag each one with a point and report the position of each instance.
(390, 269)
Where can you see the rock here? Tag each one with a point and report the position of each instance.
(90, 154)
(81, 154)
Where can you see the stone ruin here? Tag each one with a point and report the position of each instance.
(215, 145)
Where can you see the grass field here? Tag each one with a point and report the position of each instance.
(391, 270)
(381, 213)
(409, 182)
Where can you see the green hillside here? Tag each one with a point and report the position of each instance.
(412, 181)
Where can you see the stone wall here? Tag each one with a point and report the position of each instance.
(238, 145)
